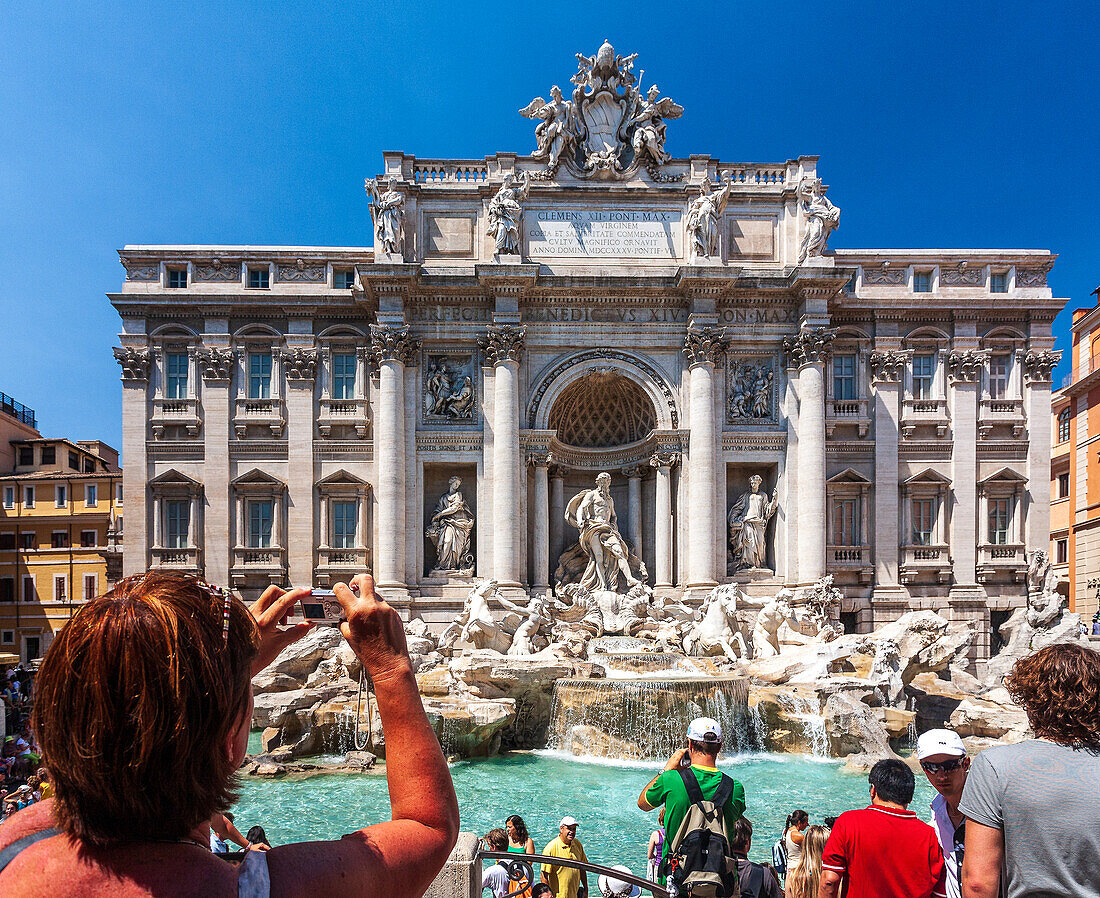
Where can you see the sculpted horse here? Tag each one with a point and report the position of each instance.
(717, 631)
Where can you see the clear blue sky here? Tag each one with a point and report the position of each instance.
(963, 124)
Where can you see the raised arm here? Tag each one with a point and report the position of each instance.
(403, 855)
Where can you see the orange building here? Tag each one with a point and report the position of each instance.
(1075, 467)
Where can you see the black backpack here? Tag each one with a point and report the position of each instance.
(699, 861)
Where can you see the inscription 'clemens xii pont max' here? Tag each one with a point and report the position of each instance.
(643, 233)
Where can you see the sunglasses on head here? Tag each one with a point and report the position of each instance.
(942, 766)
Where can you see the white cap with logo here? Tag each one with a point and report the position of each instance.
(568, 822)
(940, 742)
(704, 729)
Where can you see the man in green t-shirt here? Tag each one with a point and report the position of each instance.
(704, 741)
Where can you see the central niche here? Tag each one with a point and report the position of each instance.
(601, 410)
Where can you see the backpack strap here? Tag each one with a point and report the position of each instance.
(695, 794)
(724, 792)
(9, 853)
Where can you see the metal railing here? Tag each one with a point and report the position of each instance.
(520, 867)
(18, 411)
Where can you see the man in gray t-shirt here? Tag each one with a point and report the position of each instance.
(1032, 811)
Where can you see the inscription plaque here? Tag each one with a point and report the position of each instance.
(449, 235)
(617, 233)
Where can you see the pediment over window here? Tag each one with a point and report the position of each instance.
(174, 478)
(342, 478)
(929, 477)
(256, 477)
(848, 476)
(1005, 476)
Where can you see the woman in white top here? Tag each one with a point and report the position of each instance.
(797, 821)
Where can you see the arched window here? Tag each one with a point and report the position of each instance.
(1064, 417)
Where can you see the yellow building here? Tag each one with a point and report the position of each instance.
(60, 535)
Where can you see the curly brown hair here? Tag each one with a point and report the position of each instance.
(1059, 688)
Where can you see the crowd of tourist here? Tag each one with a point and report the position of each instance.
(23, 779)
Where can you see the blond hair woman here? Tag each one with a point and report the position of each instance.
(803, 879)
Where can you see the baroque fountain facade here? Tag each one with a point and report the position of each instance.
(623, 422)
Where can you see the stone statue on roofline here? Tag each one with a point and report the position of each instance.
(556, 131)
(649, 134)
(703, 215)
(388, 209)
(506, 214)
(822, 218)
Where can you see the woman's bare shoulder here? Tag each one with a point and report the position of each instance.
(30, 820)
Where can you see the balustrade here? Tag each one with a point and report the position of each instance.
(270, 413)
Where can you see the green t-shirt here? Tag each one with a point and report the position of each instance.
(668, 790)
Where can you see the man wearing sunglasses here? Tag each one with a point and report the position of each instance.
(943, 759)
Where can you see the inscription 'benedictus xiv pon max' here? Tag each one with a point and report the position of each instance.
(667, 336)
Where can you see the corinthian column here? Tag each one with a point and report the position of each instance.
(663, 462)
(502, 347)
(808, 352)
(393, 349)
(541, 548)
(703, 347)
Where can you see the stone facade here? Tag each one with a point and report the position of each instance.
(656, 324)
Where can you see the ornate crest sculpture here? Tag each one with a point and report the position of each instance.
(608, 130)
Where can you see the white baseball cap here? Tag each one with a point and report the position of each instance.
(568, 822)
(704, 729)
(940, 742)
(617, 888)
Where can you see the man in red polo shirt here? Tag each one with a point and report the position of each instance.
(884, 850)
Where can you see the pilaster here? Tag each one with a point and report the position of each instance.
(965, 370)
(216, 364)
(887, 368)
(135, 361)
(300, 367)
(1038, 367)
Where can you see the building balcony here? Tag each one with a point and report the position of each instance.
(334, 565)
(925, 562)
(252, 564)
(855, 559)
(1000, 412)
(923, 412)
(175, 413)
(268, 413)
(1002, 562)
(343, 412)
(185, 558)
(847, 412)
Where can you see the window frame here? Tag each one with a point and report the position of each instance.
(177, 386)
(850, 379)
(9, 497)
(1061, 550)
(261, 274)
(1001, 378)
(257, 380)
(993, 275)
(28, 579)
(91, 495)
(998, 520)
(348, 274)
(174, 272)
(59, 539)
(933, 357)
(177, 522)
(60, 495)
(919, 536)
(28, 495)
(1062, 485)
(84, 543)
(256, 537)
(21, 454)
(61, 580)
(94, 578)
(929, 284)
(345, 539)
(1065, 423)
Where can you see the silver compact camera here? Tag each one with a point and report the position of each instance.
(323, 608)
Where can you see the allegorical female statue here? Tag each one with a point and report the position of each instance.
(593, 514)
(449, 529)
(388, 208)
(703, 214)
(822, 218)
(748, 519)
(505, 214)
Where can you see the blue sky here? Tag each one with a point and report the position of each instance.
(938, 125)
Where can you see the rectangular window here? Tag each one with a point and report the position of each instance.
(845, 522)
(177, 520)
(1061, 551)
(924, 369)
(1063, 485)
(27, 541)
(343, 280)
(49, 455)
(844, 376)
(343, 525)
(259, 524)
(89, 465)
(999, 368)
(259, 375)
(26, 456)
(1063, 424)
(923, 511)
(998, 282)
(60, 496)
(60, 588)
(998, 521)
(7, 589)
(8, 637)
(91, 495)
(28, 497)
(175, 375)
(89, 539)
(30, 590)
(118, 494)
(343, 375)
(7, 542)
(177, 278)
(258, 278)
(922, 281)
(9, 497)
(91, 587)
(74, 461)
(59, 539)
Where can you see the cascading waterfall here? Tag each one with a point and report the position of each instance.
(645, 719)
(813, 724)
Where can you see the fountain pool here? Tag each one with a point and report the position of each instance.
(544, 786)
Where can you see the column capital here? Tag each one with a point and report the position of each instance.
(300, 364)
(502, 343)
(393, 344)
(634, 471)
(810, 346)
(704, 344)
(135, 361)
(1039, 366)
(540, 458)
(966, 367)
(668, 459)
(887, 366)
(556, 470)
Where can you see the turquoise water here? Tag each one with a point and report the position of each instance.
(542, 787)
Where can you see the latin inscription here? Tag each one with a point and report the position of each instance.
(653, 315)
(619, 233)
(449, 313)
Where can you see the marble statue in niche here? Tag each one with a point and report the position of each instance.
(388, 208)
(822, 218)
(593, 514)
(449, 389)
(449, 529)
(750, 390)
(748, 523)
(703, 215)
(506, 214)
